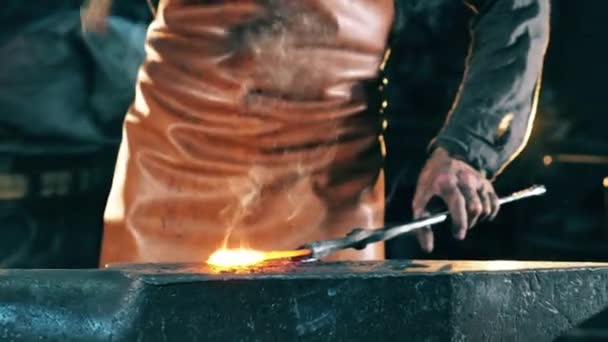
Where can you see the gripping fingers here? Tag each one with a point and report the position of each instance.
(486, 204)
(456, 203)
(473, 204)
(495, 204)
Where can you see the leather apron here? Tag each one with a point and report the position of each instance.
(250, 128)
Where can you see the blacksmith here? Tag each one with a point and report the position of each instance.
(256, 124)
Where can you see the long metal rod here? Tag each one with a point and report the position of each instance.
(394, 231)
(359, 238)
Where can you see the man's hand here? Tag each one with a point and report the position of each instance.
(468, 195)
(94, 14)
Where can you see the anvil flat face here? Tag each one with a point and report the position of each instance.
(390, 300)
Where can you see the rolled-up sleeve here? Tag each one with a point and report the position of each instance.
(491, 118)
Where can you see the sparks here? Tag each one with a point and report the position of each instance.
(242, 257)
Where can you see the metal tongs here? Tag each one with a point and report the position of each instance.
(359, 238)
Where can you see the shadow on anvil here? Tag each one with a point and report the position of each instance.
(593, 329)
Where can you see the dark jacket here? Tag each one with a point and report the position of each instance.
(492, 113)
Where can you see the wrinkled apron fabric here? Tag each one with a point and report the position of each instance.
(250, 128)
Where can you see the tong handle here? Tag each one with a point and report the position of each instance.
(360, 237)
(393, 231)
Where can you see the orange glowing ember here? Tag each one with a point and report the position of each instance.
(233, 258)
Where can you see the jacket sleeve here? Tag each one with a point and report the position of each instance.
(492, 115)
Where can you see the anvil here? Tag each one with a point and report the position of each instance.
(289, 301)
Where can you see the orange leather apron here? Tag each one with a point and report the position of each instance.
(249, 129)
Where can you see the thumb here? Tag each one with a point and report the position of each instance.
(421, 200)
(425, 239)
(425, 235)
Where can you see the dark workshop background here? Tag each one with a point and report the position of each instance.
(63, 95)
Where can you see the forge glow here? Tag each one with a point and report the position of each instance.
(243, 258)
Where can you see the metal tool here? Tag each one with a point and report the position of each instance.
(359, 238)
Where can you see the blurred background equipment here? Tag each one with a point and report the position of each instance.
(570, 148)
(63, 96)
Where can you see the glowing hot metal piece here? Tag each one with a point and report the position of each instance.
(235, 258)
(243, 258)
